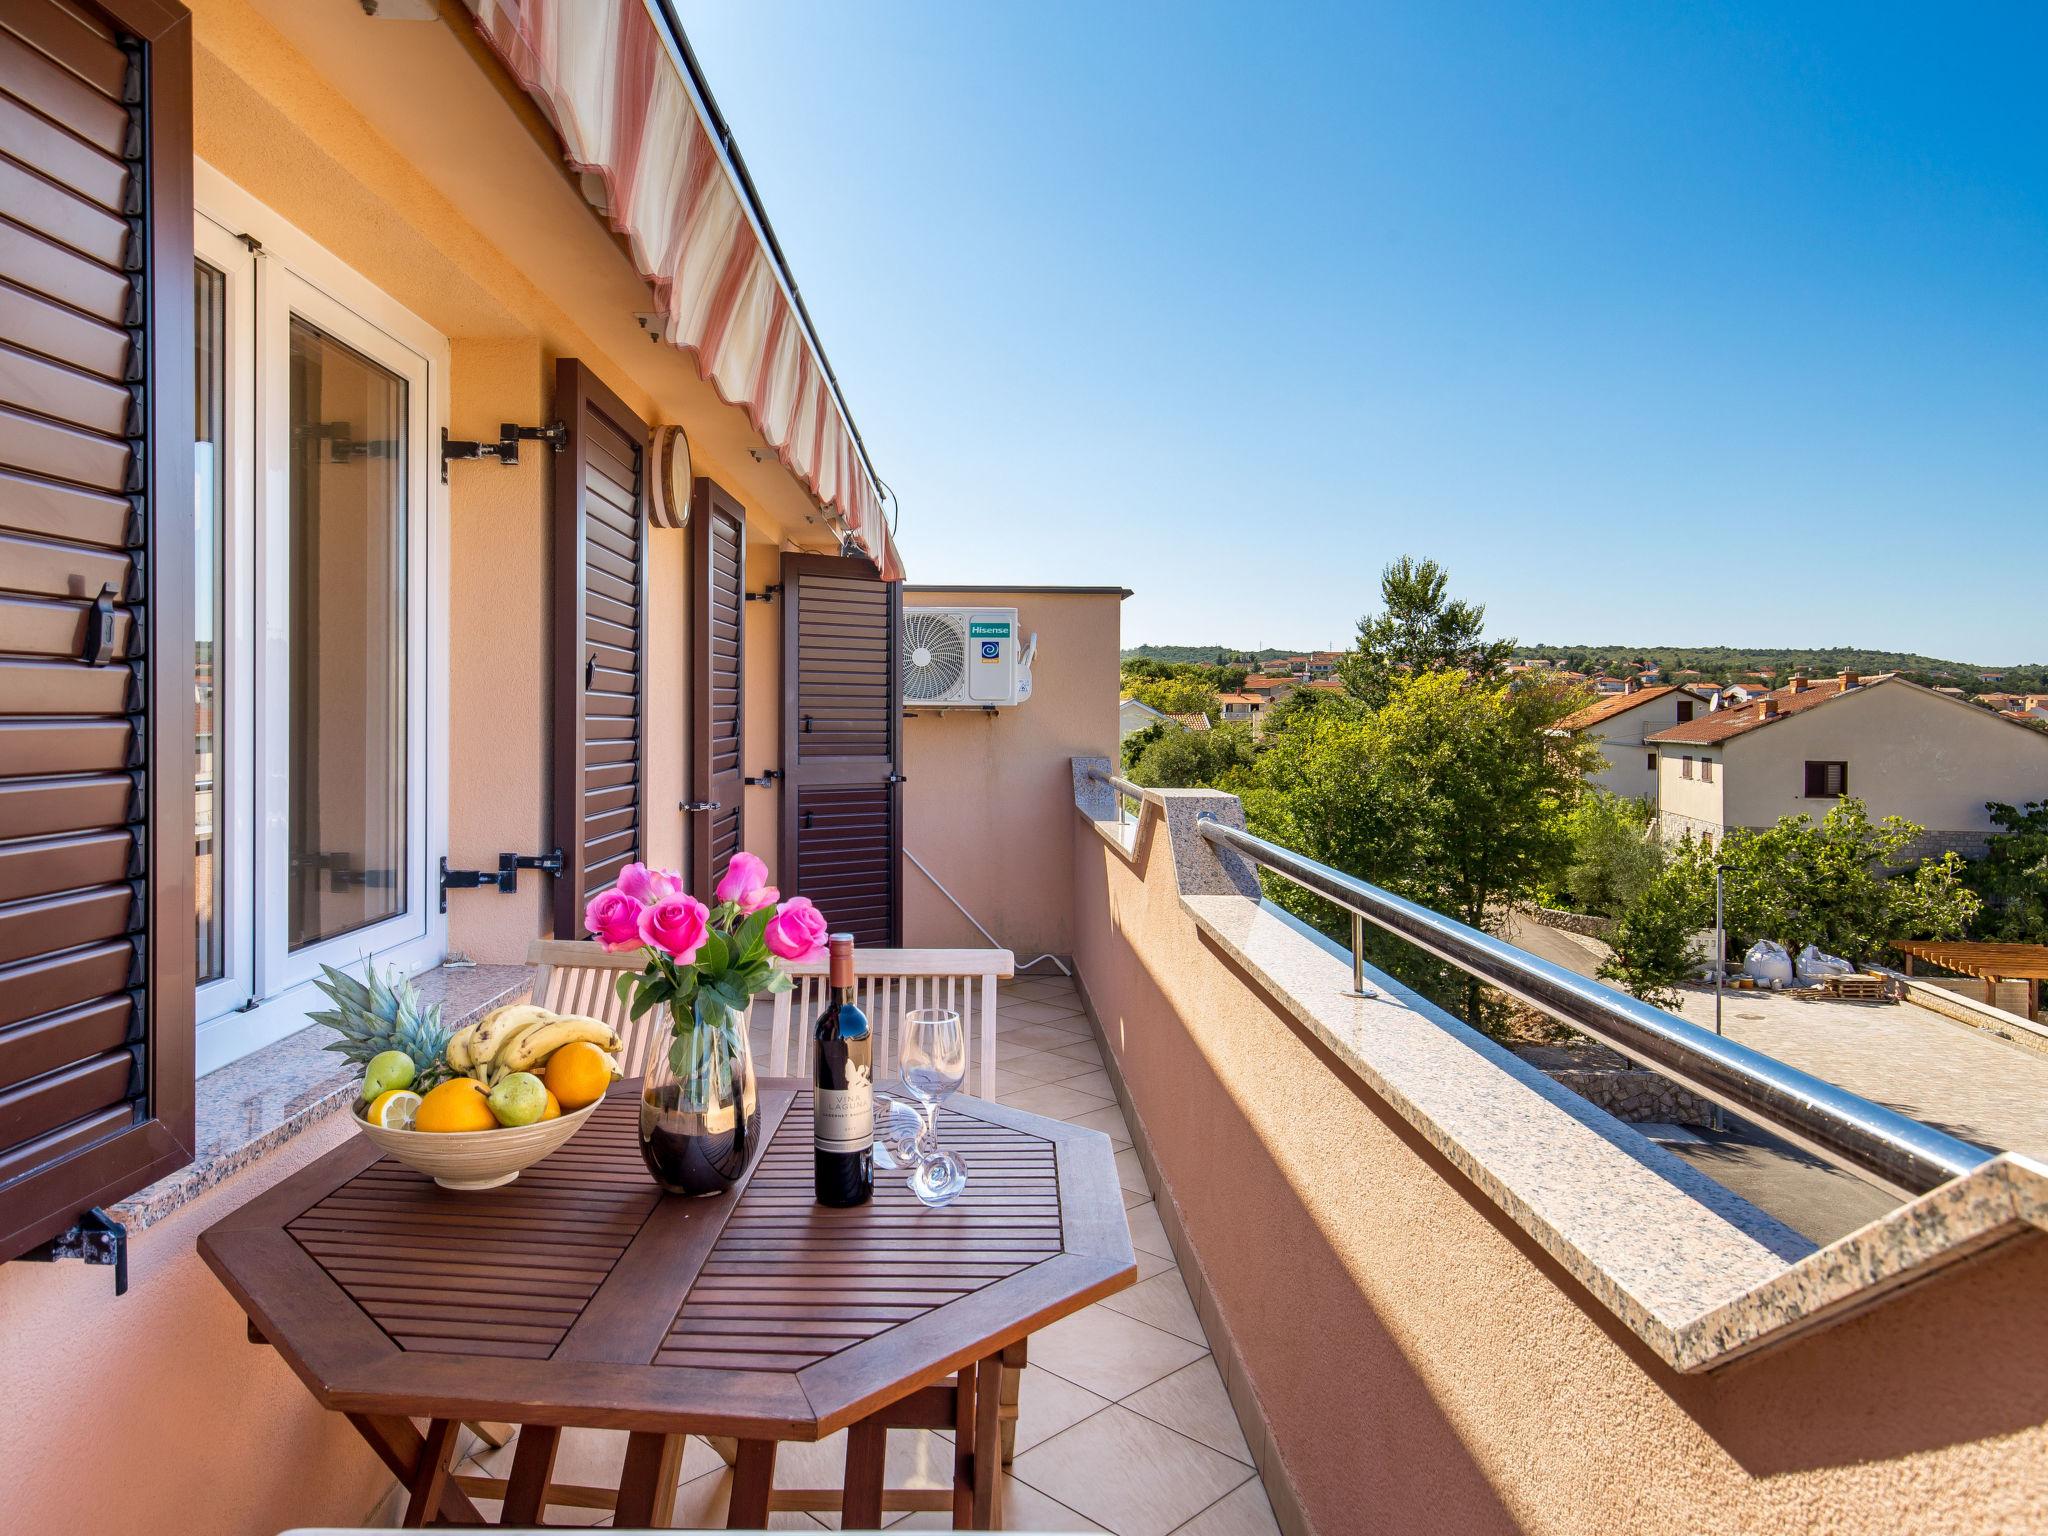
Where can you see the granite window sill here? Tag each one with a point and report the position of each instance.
(253, 1106)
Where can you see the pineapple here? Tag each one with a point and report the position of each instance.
(383, 1013)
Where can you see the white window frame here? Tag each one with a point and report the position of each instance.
(293, 274)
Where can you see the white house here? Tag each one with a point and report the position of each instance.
(1133, 716)
(1619, 723)
(1902, 749)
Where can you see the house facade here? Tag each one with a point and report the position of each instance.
(1619, 724)
(1901, 749)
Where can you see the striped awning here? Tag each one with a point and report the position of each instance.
(603, 74)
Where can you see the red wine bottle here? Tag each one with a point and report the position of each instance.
(843, 1080)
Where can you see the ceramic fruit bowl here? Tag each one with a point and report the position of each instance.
(476, 1159)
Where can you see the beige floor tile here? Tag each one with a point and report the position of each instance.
(1048, 1403)
(1131, 1173)
(1129, 1473)
(1133, 1197)
(1040, 1037)
(1146, 1232)
(1109, 1120)
(1244, 1511)
(1031, 1011)
(1024, 1509)
(1163, 1302)
(1110, 1354)
(1150, 1264)
(1044, 1066)
(701, 1504)
(1082, 1050)
(594, 1458)
(1193, 1401)
(1094, 1081)
(1008, 1082)
(1056, 1100)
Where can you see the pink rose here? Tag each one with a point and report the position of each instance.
(615, 918)
(797, 931)
(746, 884)
(647, 886)
(676, 926)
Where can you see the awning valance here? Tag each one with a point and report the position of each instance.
(603, 73)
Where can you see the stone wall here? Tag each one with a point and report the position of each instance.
(1636, 1096)
(1581, 923)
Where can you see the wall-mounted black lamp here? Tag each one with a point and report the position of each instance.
(506, 449)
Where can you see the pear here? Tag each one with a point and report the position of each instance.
(520, 1098)
(387, 1070)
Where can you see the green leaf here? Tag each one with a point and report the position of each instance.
(624, 987)
(713, 958)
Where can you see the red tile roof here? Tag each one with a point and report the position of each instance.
(1720, 724)
(1614, 704)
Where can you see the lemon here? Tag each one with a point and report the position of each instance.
(459, 1104)
(393, 1109)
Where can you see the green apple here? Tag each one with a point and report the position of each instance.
(520, 1098)
(387, 1070)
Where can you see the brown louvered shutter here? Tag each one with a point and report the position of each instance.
(600, 640)
(842, 713)
(96, 651)
(718, 704)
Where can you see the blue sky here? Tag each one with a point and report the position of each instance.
(1655, 323)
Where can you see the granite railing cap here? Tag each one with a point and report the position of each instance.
(1699, 1274)
(253, 1106)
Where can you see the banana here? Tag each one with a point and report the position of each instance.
(496, 1067)
(530, 1047)
(492, 1029)
(456, 1052)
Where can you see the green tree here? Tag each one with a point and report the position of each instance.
(1420, 630)
(1179, 694)
(1451, 794)
(1616, 853)
(1828, 885)
(2011, 880)
(1656, 939)
(1183, 759)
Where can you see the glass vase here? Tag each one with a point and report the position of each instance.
(700, 1116)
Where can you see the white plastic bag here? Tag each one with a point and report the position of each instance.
(1768, 962)
(1813, 964)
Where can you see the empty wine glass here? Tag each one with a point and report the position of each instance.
(934, 1065)
(899, 1126)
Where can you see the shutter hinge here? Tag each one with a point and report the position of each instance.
(506, 449)
(97, 1239)
(766, 780)
(766, 595)
(505, 877)
(98, 650)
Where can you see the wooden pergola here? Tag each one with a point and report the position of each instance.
(1990, 963)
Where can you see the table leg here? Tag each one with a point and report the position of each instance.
(526, 1491)
(647, 1483)
(430, 1479)
(867, 1448)
(753, 1485)
(988, 1444)
(963, 1449)
(1015, 1358)
(399, 1446)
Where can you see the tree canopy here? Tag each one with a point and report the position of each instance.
(2011, 879)
(1420, 629)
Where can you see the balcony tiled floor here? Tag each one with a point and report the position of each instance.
(1125, 1426)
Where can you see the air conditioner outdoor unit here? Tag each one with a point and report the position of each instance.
(965, 658)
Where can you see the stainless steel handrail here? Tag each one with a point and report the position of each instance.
(1829, 1121)
(1832, 1122)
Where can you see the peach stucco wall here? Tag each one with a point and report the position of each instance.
(1422, 1366)
(989, 796)
(153, 1414)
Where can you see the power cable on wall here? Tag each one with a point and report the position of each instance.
(998, 943)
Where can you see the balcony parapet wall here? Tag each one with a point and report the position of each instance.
(1358, 1137)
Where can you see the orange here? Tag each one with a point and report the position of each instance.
(460, 1104)
(554, 1109)
(578, 1074)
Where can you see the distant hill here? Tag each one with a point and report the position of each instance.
(1211, 655)
(1724, 662)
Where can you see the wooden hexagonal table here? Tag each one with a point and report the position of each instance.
(581, 1295)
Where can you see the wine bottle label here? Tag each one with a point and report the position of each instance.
(846, 1116)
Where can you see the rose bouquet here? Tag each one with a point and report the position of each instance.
(704, 965)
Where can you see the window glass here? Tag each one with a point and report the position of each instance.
(209, 506)
(347, 705)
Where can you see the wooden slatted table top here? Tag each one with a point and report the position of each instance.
(581, 1294)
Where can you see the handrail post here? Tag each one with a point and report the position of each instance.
(1358, 986)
